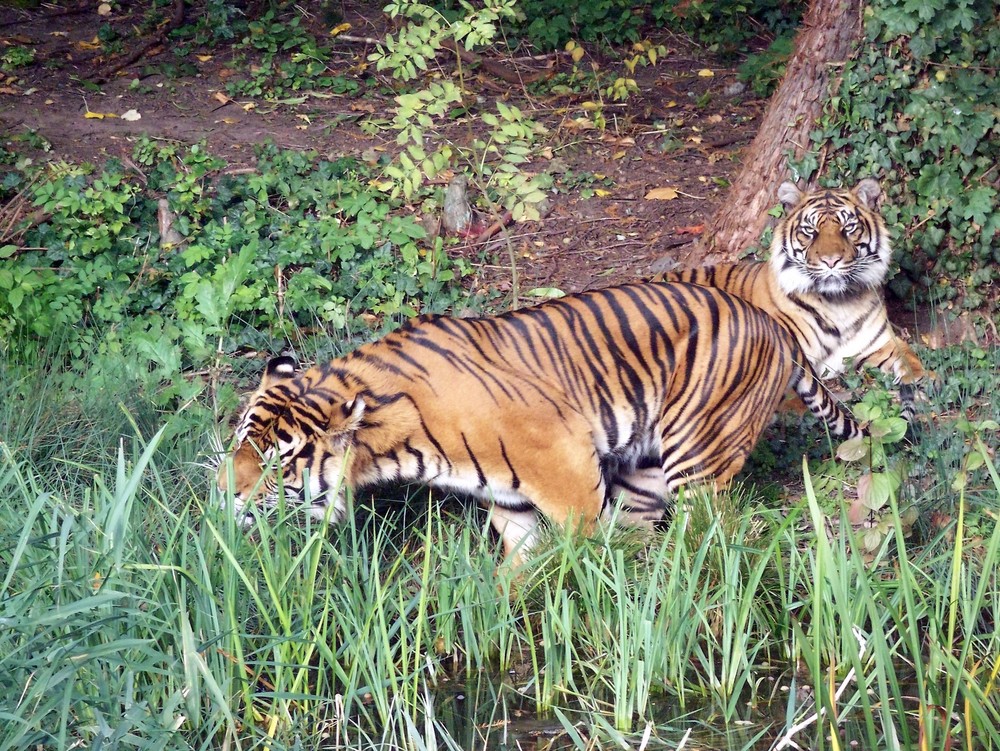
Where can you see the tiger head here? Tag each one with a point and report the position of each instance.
(304, 435)
(831, 243)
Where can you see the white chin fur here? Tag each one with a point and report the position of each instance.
(793, 281)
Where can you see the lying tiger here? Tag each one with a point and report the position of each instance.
(829, 260)
(540, 410)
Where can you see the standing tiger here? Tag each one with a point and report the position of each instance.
(829, 260)
(539, 410)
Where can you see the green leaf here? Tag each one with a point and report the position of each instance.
(974, 460)
(549, 293)
(16, 297)
(889, 429)
(881, 487)
(852, 450)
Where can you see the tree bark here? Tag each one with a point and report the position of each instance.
(829, 34)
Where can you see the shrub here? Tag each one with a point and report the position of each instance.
(299, 244)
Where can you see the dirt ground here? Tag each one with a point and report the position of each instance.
(684, 129)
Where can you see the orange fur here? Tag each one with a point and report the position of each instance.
(541, 410)
(829, 260)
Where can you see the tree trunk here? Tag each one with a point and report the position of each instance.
(829, 34)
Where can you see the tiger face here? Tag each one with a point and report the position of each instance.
(832, 243)
(282, 434)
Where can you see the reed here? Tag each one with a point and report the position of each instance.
(136, 613)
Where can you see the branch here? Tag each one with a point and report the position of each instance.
(50, 16)
(14, 214)
(175, 22)
(495, 68)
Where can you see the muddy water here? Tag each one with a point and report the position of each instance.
(489, 715)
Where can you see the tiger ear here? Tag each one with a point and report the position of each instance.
(346, 417)
(868, 191)
(789, 194)
(278, 369)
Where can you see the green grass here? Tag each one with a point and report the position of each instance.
(135, 613)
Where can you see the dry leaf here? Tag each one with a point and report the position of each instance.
(715, 118)
(706, 73)
(227, 120)
(58, 33)
(580, 123)
(203, 58)
(857, 513)
(221, 98)
(131, 116)
(249, 106)
(8, 90)
(662, 194)
(695, 139)
(104, 9)
(691, 229)
(98, 115)
(304, 117)
(340, 29)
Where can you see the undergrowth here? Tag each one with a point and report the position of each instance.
(193, 262)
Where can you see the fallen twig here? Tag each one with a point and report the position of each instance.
(496, 68)
(499, 224)
(356, 40)
(14, 214)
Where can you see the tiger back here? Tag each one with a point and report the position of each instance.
(830, 256)
(539, 411)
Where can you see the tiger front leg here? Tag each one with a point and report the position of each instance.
(560, 481)
(518, 530)
(638, 498)
(570, 501)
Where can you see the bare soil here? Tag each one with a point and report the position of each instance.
(684, 129)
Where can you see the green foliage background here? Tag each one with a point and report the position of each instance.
(919, 106)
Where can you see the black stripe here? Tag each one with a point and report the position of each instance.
(515, 481)
(475, 462)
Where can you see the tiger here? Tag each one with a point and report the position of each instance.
(829, 261)
(540, 411)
